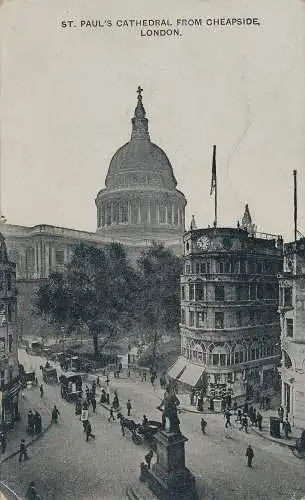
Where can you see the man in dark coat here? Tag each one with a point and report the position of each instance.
(37, 422)
(22, 451)
(93, 402)
(3, 441)
(128, 406)
(249, 455)
(41, 390)
(148, 458)
(31, 421)
(55, 414)
(259, 420)
(203, 425)
(89, 431)
(31, 493)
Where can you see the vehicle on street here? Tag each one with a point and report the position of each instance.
(70, 386)
(49, 375)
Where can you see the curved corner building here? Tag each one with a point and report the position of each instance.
(229, 327)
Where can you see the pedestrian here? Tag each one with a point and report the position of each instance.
(111, 416)
(249, 455)
(128, 406)
(98, 382)
(235, 407)
(41, 390)
(22, 451)
(107, 398)
(3, 440)
(30, 422)
(37, 423)
(203, 425)
(93, 402)
(85, 422)
(78, 406)
(148, 458)
(107, 380)
(87, 390)
(31, 493)
(250, 414)
(246, 407)
(55, 414)
(89, 431)
(122, 425)
(244, 423)
(286, 428)
(259, 420)
(280, 412)
(228, 418)
(239, 416)
(145, 420)
(36, 381)
(254, 417)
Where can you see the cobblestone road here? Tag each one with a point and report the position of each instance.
(66, 467)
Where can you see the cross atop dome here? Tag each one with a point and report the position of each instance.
(139, 91)
(139, 121)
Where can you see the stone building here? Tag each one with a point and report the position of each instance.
(9, 371)
(292, 317)
(230, 331)
(140, 204)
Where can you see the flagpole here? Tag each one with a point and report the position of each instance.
(215, 202)
(295, 204)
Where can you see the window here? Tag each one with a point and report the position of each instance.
(259, 267)
(260, 291)
(289, 327)
(60, 257)
(191, 318)
(200, 319)
(203, 268)
(124, 212)
(242, 267)
(220, 268)
(9, 282)
(227, 266)
(2, 379)
(162, 214)
(183, 316)
(219, 293)
(197, 268)
(191, 292)
(288, 297)
(219, 320)
(9, 313)
(182, 292)
(187, 269)
(238, 318)
(252, 291)
(199, 291)
(222, 359)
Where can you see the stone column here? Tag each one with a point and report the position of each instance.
(173, 214)
(166, 214)
(148, 213)
(129, 211)
(139, 211)
(47, 257)
(111, 213)
(157, 212)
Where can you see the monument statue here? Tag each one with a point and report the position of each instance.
(169, 407)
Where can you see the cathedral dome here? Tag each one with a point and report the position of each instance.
(140, 162)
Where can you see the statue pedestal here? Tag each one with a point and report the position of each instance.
(168, 478)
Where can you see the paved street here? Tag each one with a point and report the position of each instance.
(64, 466)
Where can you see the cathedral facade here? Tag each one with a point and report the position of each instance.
(139, 205)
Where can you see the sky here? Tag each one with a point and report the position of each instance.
(68, 96)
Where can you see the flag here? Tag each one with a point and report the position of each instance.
(213, 181)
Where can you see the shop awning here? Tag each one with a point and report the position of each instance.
(191, 374)
(177, 368)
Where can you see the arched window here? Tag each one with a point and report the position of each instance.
(239, 354)
(198, 353)
(219, 356)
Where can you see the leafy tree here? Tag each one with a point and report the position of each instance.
(159, 298)
(97, 288)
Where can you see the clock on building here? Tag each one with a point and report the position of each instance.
(203, 243)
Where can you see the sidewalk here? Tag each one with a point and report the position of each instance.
(33, 401)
